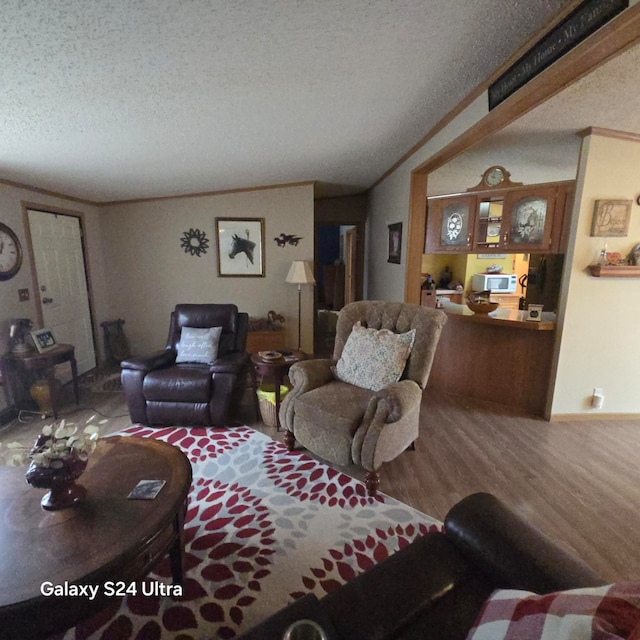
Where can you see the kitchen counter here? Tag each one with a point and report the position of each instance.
(500, 357)
(503, 317)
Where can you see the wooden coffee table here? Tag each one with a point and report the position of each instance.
(103, 541)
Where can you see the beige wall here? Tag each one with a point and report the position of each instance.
(149, 272)
(389, 203)
(599, 347)
(11, 199)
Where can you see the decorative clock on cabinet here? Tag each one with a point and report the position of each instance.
(495, 177)
(10, 253)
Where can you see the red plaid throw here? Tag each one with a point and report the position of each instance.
(611, 612)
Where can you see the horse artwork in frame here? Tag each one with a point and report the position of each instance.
(240, 245)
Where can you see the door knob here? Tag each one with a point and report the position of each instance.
(47, 300)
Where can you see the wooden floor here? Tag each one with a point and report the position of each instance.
(579, 482)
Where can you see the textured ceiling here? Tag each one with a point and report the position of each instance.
(544, 140)
(119, 99)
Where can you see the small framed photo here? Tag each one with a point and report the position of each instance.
(240, 247)
(43, 339)
(611, 218)
(395, 243)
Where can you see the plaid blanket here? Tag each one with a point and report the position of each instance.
(611, 612)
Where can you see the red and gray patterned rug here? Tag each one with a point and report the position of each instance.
(264, 527)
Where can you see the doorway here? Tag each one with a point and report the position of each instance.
(61, 285)
(339, 263)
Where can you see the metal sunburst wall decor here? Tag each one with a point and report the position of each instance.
(194, 242)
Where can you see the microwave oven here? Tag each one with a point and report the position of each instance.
(495, 282)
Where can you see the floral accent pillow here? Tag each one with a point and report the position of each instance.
(199, 345)
(374, 358)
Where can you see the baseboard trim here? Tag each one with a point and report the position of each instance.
(591, 417)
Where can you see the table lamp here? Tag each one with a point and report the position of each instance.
(300, 273)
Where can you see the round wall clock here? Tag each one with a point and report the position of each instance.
(194, 242)
(10, 253)
(494, 176)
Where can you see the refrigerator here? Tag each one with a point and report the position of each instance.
(544, 279)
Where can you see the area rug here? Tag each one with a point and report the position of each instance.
(102, 381)
(264, 527)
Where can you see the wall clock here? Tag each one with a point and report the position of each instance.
(10, 253)
(194, 242)
(495, 177)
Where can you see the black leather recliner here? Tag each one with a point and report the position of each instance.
(160, 391)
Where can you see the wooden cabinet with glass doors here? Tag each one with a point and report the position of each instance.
(521, 219)
(450, 224)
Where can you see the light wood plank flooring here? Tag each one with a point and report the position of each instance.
(579, 482)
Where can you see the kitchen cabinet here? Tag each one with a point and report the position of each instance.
(452, 296)
(506, 300)
(450, 224)
(521, 219)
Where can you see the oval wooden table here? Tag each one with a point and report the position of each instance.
(105, 538)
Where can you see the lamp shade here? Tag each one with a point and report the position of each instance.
(300, 272)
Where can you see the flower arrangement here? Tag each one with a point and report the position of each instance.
(56, 445)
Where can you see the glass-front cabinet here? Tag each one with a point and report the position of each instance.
(450, 224)
(521, 219)
(531, 214)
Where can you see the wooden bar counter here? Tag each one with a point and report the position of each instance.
(500, 357)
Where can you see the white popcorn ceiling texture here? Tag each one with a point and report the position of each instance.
(114, 99)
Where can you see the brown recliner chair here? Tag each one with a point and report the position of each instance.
(347, 424)
(160, 391)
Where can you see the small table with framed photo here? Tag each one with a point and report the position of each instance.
(273, 366)
(16, 370)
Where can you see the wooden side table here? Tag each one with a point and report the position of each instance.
(274, 371)
(16, 367)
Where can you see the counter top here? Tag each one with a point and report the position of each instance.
(503, 317)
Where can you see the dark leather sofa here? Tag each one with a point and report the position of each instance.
(434, 588)
(160, 391)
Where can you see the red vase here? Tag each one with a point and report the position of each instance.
(63, 490)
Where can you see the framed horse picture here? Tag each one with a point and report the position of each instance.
(240, 245)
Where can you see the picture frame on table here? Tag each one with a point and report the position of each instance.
(395, 243)
(44, 340)
(240, 247)
(611, 218)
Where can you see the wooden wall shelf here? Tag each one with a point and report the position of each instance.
(613, 271)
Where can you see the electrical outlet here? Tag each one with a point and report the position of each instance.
(597, 399)
(23, 295)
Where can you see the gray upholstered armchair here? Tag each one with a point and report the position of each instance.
(348, 424)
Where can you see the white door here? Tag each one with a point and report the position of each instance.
(62, 282)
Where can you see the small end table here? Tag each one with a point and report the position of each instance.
(13, 364)
(274, 371)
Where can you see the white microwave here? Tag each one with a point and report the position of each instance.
(495, 282)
